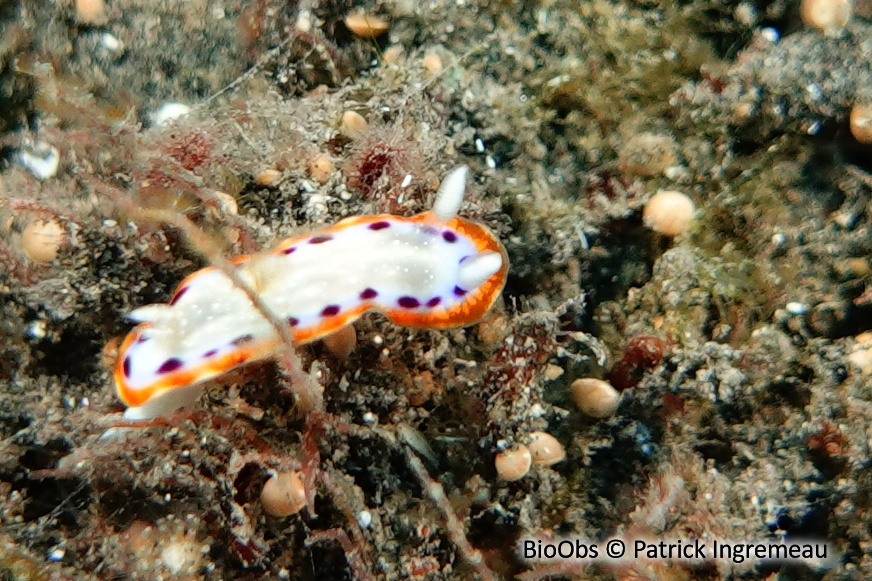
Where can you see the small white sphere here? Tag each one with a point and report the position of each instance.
(364, 519)
(669, 212)
(169, 112)
(181, 555)
(42, 160)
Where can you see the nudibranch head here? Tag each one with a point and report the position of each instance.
(432, 270)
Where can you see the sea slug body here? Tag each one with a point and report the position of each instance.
(432, 270)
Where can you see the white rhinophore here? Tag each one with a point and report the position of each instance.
(475, 270)
(151, 314)
(450, 194)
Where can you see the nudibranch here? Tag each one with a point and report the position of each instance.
(433, 270)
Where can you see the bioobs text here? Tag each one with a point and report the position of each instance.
(577, 549)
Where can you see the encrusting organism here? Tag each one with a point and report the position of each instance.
(433, 270)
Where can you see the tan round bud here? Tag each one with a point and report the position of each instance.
(859, 267)
(514, 464)
(41, 240)
(267, 177)
(228, 202)
(669, 212)
(862, 360)
(595, 397)
(829, 16)
(545, 449)
(432, 64)
(91, 11)
(353, 123)
(366, 25)
(320, 168)
(283, 494)
(861, 123)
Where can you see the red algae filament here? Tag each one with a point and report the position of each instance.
(642, 353)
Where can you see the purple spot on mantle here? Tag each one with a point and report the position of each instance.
(330, 310)
(178, 295)
(320, 239)
(459, 291)
(125, 366)
(434, 301)
(290, 249)
(379, 225)
(293, 321)
(239, 341)
(169, 365)
(408, 302)
(209, 353)
(449, 236)
(368, 293)
(141, 339)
